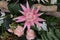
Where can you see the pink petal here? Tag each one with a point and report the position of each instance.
(38, 24)
(19, 31)
(22, 12)
(40, 19)
(27, 4)
(20, 19)
(10, 30)
(23, 7)
(32, 23)
(40, 14)
(37, 10)
(33, 10)
(30, 34)
(27, 24)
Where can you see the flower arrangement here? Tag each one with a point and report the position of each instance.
(26, 24)
(31, 17)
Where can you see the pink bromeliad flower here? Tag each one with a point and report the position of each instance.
(18, 31)
(30, 16)
(30, 34)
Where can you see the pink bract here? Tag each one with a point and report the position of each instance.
(30, 34)
(30, 16)
(19, 31)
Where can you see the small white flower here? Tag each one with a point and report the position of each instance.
(44, 26)
(3, 14)
(11, 15)
(1, 21)
(41, 0)
(38, 1)
(53, 1)
(2, 17)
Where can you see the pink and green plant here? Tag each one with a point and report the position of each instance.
(30, 16)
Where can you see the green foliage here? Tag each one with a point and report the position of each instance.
(53, 32)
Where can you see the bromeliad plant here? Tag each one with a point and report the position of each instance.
(30, 17)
